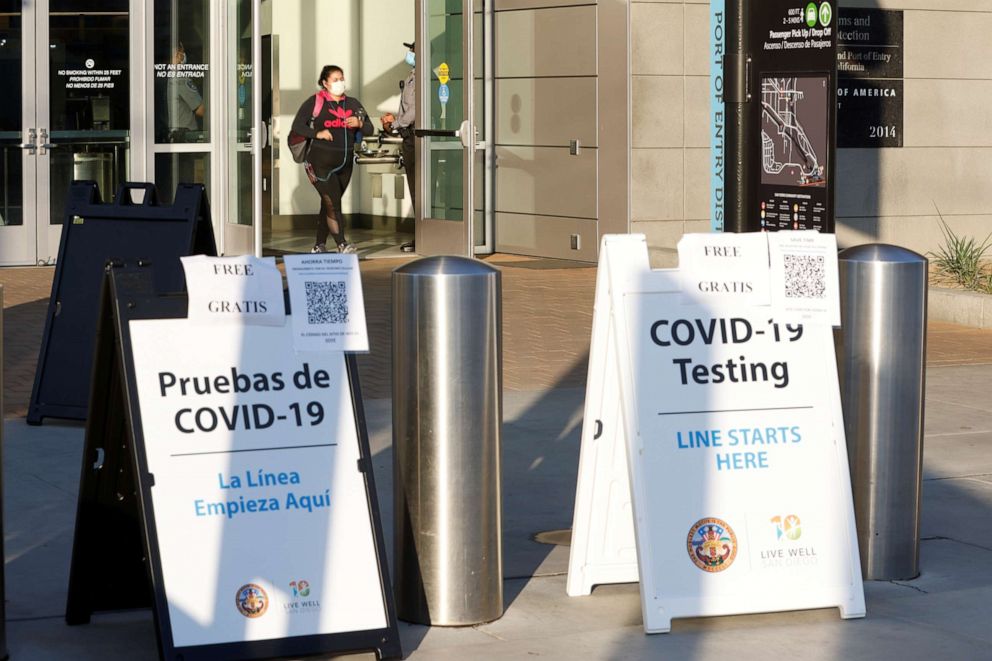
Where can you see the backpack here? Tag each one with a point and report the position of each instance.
(299, 146)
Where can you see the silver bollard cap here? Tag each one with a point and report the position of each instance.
(446, 265)
(880, 252)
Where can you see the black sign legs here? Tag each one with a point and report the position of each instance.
(94, 234)
(108, 571)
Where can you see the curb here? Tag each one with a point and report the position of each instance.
(960, 307)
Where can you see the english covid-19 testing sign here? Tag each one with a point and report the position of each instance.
(731, 418)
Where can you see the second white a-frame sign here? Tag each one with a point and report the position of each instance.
(731, 434)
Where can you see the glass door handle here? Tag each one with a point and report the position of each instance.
(32, 143)
(45, 144)
(435, 133)
(469, 141)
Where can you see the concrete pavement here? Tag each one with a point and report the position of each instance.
(943, 613)
(547, 314)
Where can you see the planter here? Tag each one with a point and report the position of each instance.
(956, 306)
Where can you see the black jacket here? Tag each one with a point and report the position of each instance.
(326, 155)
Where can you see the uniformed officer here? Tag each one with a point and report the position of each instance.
(185, 102)
(404, 121)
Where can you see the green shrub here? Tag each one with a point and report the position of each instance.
(961, 258)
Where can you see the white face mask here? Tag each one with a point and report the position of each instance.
(337, 87)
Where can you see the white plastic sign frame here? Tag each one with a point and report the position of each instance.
(683, 498)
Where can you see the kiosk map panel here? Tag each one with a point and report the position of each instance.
(792, 128)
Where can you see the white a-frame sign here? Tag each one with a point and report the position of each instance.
(738, 477)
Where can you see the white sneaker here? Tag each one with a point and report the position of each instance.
(346, 248)
(318, 248)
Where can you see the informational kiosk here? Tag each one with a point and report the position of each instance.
(227, 483)
(735, 449)
(781, 65)
(94, 234)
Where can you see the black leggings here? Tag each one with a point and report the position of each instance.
(330, 220)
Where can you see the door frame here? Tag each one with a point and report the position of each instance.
(19, 243)
(447, 237)
(36, 240)
(231, 238)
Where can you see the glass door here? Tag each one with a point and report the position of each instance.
(70, 61)
(241, 217)
(18, 136)
(453, 156)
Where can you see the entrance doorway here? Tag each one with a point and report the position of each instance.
(70, 62)
(368, 43)
(166, 91)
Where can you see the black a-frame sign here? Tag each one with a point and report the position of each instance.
(117, 560)
(94, 233)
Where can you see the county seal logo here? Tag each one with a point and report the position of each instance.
(712, 545)
(251, 600)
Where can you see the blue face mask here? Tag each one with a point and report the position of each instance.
(411, 58)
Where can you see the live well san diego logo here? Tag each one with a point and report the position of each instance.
(304, 601)
(788, 531)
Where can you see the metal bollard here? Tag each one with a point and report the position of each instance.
(881, 356)
(447, 422)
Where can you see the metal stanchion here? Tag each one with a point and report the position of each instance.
(881, 355)
(447, 420)
(3, 585)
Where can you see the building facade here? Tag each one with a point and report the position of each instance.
(588, 118)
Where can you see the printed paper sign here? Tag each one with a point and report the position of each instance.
(243, 289)
(261, 515)
(325, 291)
(724, 267)
(805, 282)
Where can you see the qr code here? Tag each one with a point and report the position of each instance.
(805, 276)
(327, 302)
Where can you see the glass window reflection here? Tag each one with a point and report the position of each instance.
(181, 71)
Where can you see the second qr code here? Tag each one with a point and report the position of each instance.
(805, 276)
(327, 302)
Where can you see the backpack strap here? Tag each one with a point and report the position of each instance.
(318, 104)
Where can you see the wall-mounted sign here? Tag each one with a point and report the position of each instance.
(870, 43)
(869, 113)
(444, 73)
(870, 49)
(791, 140)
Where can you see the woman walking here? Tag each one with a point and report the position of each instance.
(330, 119)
